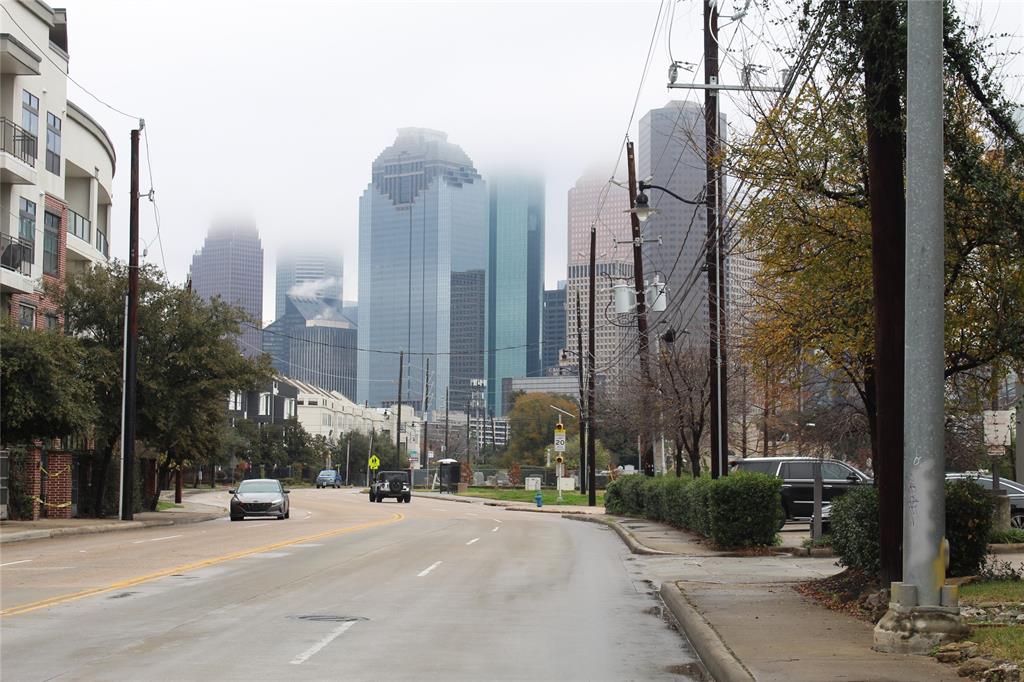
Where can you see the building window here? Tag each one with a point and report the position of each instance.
(26, 316)
(101, 242)
(51, 244)
(52, 144)
(266, 404)
(27, 220)
(51, 322)
(289, 408)
(30, 121)
(235, 401)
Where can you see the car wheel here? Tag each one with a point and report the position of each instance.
(380, 498)
(1017, 520)
(280, 517)
(371, 497)
(288, 514)
(408, 499)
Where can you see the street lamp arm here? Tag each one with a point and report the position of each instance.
(646, 186)
(567, 414)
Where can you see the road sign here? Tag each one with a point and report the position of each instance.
(559, 438)
(374, 462)
(997, 429)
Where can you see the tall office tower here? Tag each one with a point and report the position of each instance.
(515, 284)
(423, 225)
(468, 332)
(554, 328)
(308, 271)
(671, 152)
(230, 265)
(595, 201)
(313, 342)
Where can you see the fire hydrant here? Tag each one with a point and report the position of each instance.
(539, 499)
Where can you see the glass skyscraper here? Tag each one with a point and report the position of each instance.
(423, 225)
(554, 328)
(515, 283)
(307, 271)
(230, 265)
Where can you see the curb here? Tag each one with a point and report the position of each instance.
(24, 535)
(634, 545)
(716, 656)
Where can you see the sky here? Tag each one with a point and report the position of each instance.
(273, 112)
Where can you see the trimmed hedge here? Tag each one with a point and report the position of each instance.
(969, 508)
(740, 510)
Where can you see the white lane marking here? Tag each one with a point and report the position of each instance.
(472, 541)
(304, 656)
(166, 537)
(253, 525)
(11, 563)
(428, 569)
(495, 529)
(308, 514)
(496, 520)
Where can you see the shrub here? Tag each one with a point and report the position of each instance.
(676, 501)
(1006, 537)
(699, 508)
(655, 503)
(613, 502)
(968, 526)
(854, 529)
(742, 510)
(626, 496)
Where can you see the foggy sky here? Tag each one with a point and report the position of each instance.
(274, 112)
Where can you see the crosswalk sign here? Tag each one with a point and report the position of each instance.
(374, 462)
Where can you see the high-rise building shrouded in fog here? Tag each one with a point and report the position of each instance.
(230, 265)
(308, 271)
(515, 282)
(423, 243)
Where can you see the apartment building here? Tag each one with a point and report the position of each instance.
(56, 167)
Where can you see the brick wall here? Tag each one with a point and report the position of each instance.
(34, 477)
(58, 484)
(41, 303)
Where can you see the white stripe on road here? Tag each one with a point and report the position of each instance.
(472, 541)
(11, 563)
(304, 656)
(496, 520)
(428, 569)
(166, 537)
(495, 529)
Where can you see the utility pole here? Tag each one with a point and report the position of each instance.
(132, 342)
(426, 419)
(348, 451)
(398, 427)
(446, 451)
(585, 482)
(646, 444)
(591, 469)
(713, 257)
(468, 457)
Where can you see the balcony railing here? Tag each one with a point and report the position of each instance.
(101, 243)
(80, 226)
(17, 141)
(17, 254)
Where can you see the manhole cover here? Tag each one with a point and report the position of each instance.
(327, 618)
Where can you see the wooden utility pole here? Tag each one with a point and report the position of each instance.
(585, 482)
(398, 427)
(713, 258)
(646, 445)
(591, 468)
(446, 450)
(132, 340)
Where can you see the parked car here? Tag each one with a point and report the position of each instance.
(259, 497)
(1014, 490)
(797, 474)
(328, 477)
(391, 484)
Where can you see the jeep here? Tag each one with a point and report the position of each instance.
(391, 484)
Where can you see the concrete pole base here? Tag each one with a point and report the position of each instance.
(919, 629)
(1001, 517)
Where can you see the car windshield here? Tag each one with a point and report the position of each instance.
(327, 472)
(392, 475)
(259, 487)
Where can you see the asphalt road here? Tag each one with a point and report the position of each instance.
(343, 589)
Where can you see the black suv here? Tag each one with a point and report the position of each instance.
(391, 484)
(797, 474)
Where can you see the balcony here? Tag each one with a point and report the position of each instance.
(80, 226)
(16, 259)
(18, 160)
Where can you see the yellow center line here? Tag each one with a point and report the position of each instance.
(63, 599)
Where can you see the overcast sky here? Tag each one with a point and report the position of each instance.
(274, 111)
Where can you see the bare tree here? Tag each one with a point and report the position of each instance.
(685, 389)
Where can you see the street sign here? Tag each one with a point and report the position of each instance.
(430, 454)
(559, 438)
(374, 462)
(997, 429)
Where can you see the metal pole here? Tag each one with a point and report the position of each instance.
(348, 451)
(647, 446)
(1019, 447)
(924, 458)
(445, 421)
(398, 426)
(124, 396)
(426, 419)
(369, 453)
(585, 483)
(591, 367)
(131, 345)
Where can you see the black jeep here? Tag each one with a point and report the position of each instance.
(391, 484)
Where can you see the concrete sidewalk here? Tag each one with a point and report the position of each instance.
(189, 512)
(747, 623)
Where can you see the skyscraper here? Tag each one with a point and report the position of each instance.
(515, 282)
(313, 342)
(230, 265)
(308, 271)
(671, 152)
(554, 327)
(595, 201)
(423, 229)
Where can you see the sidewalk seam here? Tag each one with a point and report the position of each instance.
(714, 653)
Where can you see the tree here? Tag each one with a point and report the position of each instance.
(685, 388)
(532, 422)
(45, 393)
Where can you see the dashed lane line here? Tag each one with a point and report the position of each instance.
(120, 585)
(166, 537)
(428, 569)
(472, 541)
(305, 655)
(11, 563)
(495, 529)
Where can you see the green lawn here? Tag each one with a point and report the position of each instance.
(163, 505)
(1001, 591)
(1002, 642)
(549, 497)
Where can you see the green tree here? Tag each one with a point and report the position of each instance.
(533, 425)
